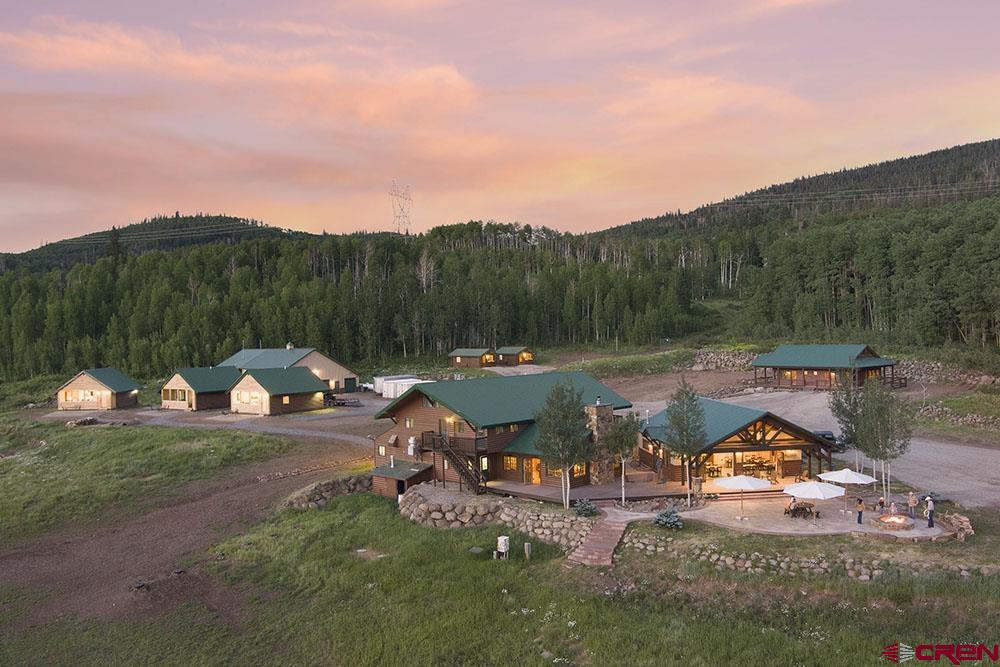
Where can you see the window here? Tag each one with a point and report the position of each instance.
(408, 422)
(509, 462)
(166, 395)
(381, 450)
(484, 464)
(458, 360)
(460, 426)
(445, 464)
(555, 472)
(428, 403)
(285, 400)
(579, 470)
(512, 428)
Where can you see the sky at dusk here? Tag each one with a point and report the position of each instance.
(575, 115)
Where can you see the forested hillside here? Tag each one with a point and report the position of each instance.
(960, 173)
(157, 233)
(919, 274)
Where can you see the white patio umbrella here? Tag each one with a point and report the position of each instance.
(743, 483)
(845, 477)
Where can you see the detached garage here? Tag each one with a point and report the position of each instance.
(199, 388)
(98, 389)
(275, 391)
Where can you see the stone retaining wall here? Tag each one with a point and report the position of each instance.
(712, 360)
(859, 568)
(320, 493)
(943, 413)
(441, 508)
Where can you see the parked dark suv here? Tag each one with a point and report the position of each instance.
(837, 444)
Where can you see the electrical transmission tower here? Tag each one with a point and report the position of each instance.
(401, 203)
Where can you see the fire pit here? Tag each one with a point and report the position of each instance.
(893, 522)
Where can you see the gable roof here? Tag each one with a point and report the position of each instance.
(722, 420)
(112, 378)
(267, 357)
(821, 356)
(281, 381)
(510, 399)
(469, 351)
(511, 349)
(211, 379)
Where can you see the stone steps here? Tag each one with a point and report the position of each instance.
(599, 546)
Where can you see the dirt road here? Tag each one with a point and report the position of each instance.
(91, 571)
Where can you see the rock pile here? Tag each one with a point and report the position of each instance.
(944, 413)
(711, 360)
(441, 508)
(83, 421)
(935, 372)
(319, 494)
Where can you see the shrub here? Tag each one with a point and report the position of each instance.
(669, 519)
(584, 507)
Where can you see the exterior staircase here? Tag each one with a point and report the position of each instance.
(598, 547)
(463, 465)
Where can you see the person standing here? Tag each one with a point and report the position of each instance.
(881, 505)
(929, 511)
(860, 507)
(911, 503)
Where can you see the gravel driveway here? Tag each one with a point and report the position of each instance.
(964, 473)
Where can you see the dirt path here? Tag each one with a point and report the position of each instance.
(91, 572)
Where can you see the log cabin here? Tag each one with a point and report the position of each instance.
(513, 355)
(472, 357)
(275, 391)
(823, 367)
(338, 377)
(98, 389)
(738, 441)
(480, 433)
(199, 388)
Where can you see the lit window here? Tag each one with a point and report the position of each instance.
(509, 462)
(484, 464)
(381, 450)
(458, 360)
(445, 464)
(579, 470)
(409, 422)
(512, 428)
(285, 400)
(555, 472)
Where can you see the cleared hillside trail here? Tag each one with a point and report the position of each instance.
(92, 571)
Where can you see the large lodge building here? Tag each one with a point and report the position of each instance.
(479, 432)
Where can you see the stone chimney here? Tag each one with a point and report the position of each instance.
(600, 416)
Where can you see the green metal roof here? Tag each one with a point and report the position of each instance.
(512, 399)
(282, 381)
(820, 356)
(525, 443)
(469, 351)
(402, 470)
(267, 357)
(113, 379)
(210, 380)
(511, 349)
(721, 421)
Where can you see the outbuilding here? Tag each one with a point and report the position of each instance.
(338, 378)
(514, 355)
(199, 388)
(98, 389)
(823, 367)
(472, 357)
(274, 391)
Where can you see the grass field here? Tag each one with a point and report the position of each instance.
(417, 596)
(51, 475)
(635, 364)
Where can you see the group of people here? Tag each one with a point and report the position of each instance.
(911, 504)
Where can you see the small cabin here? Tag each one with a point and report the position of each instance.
(338, 378)
(199, 388)
(472, 357)
(98, 389)
(823, 367)
(276, 391)
(514, 356)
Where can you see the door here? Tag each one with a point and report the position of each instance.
(350, 385)
(400, 487)
(534, 471)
